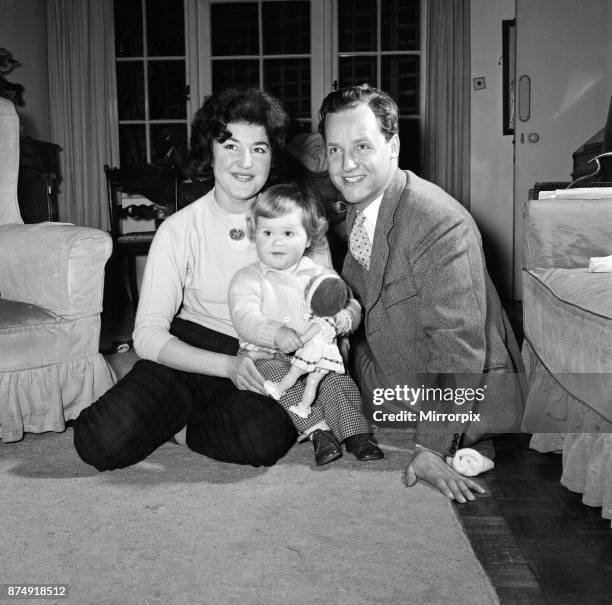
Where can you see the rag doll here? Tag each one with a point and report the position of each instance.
(326, 295)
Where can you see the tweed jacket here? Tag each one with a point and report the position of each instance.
(431, 313)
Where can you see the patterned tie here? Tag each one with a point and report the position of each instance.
(359, 242)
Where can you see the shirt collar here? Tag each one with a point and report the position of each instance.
(371, 216)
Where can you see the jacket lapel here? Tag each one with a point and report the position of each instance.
(380, 245)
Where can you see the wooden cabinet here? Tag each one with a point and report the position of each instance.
(39, 178)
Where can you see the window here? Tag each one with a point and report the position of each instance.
(265, 44)
(151, 80)
(379, 42)
(297, 49)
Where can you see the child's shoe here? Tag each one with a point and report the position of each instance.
(326, 447)
(364, 447)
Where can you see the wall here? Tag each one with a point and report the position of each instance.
(23, 31)
(492, 152)
(568, 59)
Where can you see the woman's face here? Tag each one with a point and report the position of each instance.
(241, 165)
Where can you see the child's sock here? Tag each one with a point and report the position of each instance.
(301, 410)
(273, 389)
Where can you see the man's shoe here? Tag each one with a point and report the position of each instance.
(326, 447)
(364, 447)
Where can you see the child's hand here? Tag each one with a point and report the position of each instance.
(287, 340)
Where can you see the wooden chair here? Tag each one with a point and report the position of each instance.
(160, 186)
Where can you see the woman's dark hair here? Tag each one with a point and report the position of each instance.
(381, 104)
(248, 105)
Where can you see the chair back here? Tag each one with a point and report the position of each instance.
(158, 184)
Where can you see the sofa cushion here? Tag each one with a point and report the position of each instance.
(569, 326)
(14, 313)
(564, 233)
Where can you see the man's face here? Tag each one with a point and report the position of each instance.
(361, 161)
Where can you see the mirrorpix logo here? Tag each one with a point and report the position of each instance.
(411, 396)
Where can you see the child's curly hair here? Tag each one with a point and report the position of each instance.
(248, 105)
(283, 198)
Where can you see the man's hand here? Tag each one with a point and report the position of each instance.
(432, 469)
(287, 340)
(243, 373)
(344, 345)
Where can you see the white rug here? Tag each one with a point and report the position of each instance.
(182, 529)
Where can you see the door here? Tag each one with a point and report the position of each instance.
(562, 48)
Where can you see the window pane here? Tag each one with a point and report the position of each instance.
(165, 28)
(130, 90)
(356, 70)
(400, 27)
(286, 28)
(167, 90)
(356, 25)
(168, 143)
(400, 78)
(410, 144)
(289, 80)
(233, 29)
(234, 73)
(128, 28)
(132, 144)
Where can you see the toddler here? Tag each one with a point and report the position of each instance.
(269, 310)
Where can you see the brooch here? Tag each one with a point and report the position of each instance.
(236, 234)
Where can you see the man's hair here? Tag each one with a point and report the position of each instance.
(281, 199)
(247, 105)
(381, 104)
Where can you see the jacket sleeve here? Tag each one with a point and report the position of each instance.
(448, 265)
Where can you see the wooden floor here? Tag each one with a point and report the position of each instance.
(536, 540)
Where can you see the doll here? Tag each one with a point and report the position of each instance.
(326, 295)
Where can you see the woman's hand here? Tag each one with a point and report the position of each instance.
(287, 340)
(431, 468)
(243, 373)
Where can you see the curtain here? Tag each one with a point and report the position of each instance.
(446, 129)
(82, 86)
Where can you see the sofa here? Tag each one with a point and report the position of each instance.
(567, 316)
(51, 286)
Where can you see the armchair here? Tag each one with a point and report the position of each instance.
(567, 313)
(51, 283)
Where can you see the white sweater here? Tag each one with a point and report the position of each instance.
(189, 267)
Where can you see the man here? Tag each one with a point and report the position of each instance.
(432, 317)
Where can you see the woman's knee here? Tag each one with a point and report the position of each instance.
(133, 418)
(244, 429)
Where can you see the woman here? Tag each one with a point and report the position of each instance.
(190, 374)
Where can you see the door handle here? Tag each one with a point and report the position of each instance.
(524, 98)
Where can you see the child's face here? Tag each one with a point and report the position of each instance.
(281, 241)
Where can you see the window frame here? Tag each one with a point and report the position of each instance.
(324, 53)
(145, 59)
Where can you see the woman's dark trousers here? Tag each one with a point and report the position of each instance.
(153, 402)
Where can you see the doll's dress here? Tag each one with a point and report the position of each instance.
(321, 351)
